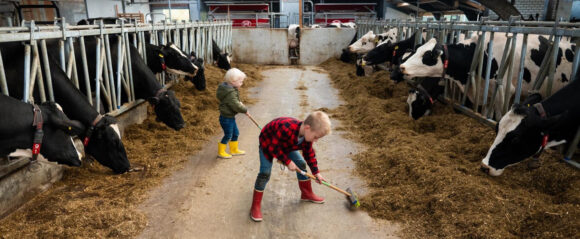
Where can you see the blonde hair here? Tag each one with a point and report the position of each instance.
(318, 122)
(234, 74)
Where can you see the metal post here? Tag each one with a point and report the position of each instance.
(521, 69)
(3, 77)
(120, 57)
(85, 70)
(26, 72)
(97, 76)
(553, 65)
(62, 62)
(488, 71)
(109, 71)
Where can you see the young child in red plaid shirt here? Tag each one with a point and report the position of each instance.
(281, 139)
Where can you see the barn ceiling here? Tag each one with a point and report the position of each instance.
(470, 8)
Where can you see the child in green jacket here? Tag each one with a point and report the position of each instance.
(230, 105)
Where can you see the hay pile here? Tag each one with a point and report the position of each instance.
(91, 202)
(426, 175)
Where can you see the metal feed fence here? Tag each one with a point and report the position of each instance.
(189, 36)
(483, 109)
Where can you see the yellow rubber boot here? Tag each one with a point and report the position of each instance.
(235, 150)
(222, 151)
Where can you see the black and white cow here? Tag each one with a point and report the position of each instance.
(199, 79)
(169, 58)
(347, 56)
(17, 131)
(367, 43)
(221, 59)
(530, 127)
(370, 40)
(428, 62)
(390, 52)
(103, 140)
(164, 102)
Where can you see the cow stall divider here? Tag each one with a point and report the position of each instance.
(109, 82)
(479, 89)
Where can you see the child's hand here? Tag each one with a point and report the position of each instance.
(319, 178)
(293, 167)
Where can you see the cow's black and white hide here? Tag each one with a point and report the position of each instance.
(146, 86)
(221, 59)
(199, 79)
(17, 131)
(522, 131)
(428, 62)
(104, 140)
(347, 56)
(169, 58)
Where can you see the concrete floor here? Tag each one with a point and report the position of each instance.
(211, 198)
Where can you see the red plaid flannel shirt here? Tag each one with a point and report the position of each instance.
(280, 137)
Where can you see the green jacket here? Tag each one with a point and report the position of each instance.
(229, 98)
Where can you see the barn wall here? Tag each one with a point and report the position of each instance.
(260, 46)
(106, 8)
(318, 45)
(270, 46)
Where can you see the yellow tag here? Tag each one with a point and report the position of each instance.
(363, 63)
(396, 47)
(69, 128)
(160, 55)
(528, 105)
(376, 40)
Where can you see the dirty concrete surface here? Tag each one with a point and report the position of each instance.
(211, 198)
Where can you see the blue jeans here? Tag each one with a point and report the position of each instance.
(266, 169)
(230, 128)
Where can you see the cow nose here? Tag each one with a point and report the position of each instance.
(402, 68)
(484, 169)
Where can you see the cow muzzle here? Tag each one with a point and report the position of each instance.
(490, 171)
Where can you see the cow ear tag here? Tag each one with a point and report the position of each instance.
(160, 55)
(396, 47)
(69, 128)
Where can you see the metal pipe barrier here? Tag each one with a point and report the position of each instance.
(188, 36)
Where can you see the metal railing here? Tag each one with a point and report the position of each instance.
(483, 109)
(189, 36)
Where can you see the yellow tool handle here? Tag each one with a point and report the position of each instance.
(325, 183)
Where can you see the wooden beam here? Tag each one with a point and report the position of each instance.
(473, 4)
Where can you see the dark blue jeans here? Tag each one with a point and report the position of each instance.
(230, 128)
(266, 169)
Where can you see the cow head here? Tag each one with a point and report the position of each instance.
(379, 54)
(421, 99)
(519, 136)
(176, 62)
(389, 52)
(57, 144)
(106, 147)
(222, 59)
(425, 62)
(199, 79)
(364, 44)
(167, 109)
(396, 74)
(419, 104)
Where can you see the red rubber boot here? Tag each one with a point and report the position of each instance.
(307, 194)
(256, 212)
